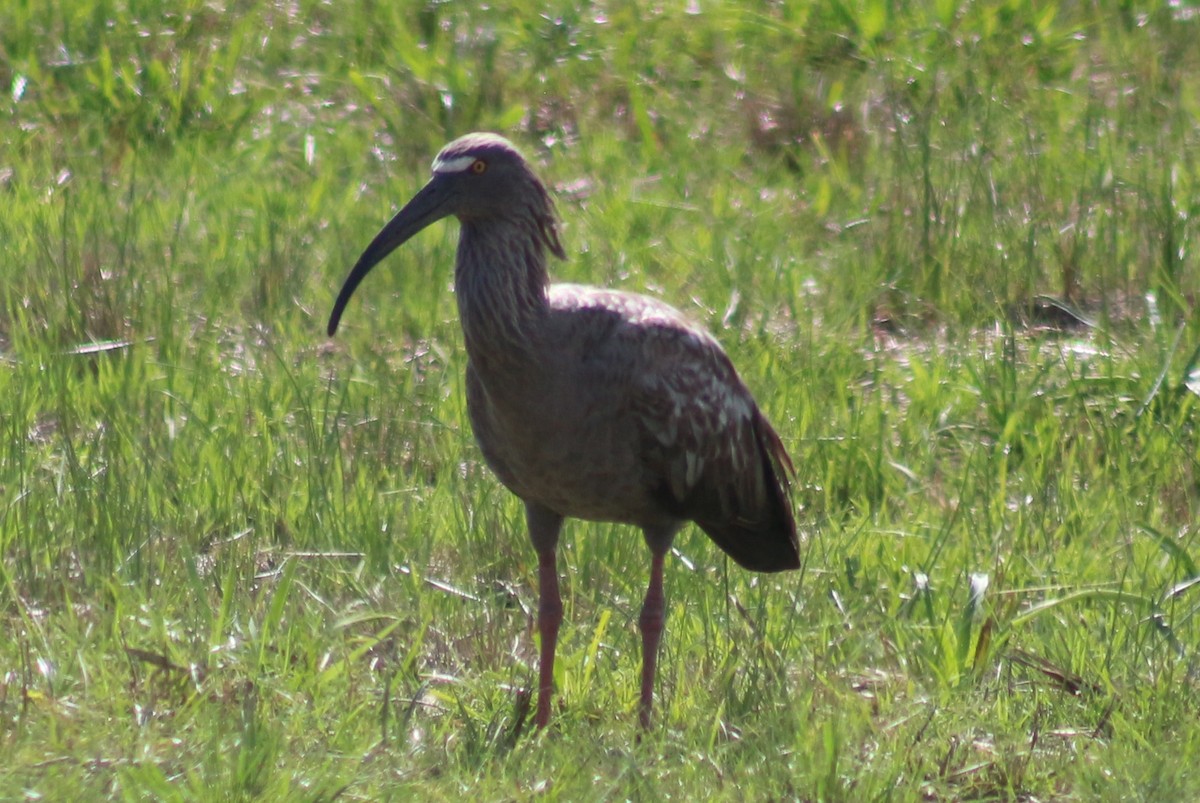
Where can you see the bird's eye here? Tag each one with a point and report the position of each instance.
(479, 166)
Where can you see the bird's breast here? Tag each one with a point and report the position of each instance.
(561, 443)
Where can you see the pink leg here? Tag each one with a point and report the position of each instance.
(549, 618)
(544, 526)
(651, 623)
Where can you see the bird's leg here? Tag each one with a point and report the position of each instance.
(544, 526)
(651, 622)
(549, 618)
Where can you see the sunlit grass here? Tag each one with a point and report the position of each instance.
(950, 250)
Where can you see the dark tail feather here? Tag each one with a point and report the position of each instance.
(768, 543)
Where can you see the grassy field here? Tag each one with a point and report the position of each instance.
(952, 251)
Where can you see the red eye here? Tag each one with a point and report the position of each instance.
(479, 166)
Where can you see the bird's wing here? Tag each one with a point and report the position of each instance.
(707, 452)
(718, 459)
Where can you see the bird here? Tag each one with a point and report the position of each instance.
(592, 403)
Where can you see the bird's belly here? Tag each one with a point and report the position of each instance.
(573, 476)
(577, 467)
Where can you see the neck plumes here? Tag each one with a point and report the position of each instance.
(500, 280)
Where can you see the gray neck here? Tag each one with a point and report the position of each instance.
(500, 281)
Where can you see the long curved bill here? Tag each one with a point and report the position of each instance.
(426, 207)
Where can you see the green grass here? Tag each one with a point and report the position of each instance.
(241, 560)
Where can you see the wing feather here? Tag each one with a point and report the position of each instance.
(707, 451)
(722, 464)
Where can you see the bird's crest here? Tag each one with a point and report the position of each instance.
(463, 152)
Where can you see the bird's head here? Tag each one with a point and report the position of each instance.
(478, 178)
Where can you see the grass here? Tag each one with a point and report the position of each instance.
(950, 248)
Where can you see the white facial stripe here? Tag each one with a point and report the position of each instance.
(456, 165)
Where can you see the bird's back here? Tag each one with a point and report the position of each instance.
(643, 420)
